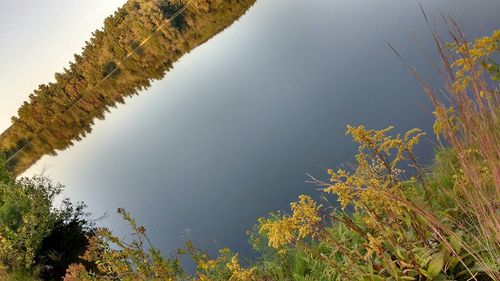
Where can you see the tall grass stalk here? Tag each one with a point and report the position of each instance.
(467, 117)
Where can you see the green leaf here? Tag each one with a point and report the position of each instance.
(407, 278)
(435, 265)
(456, 242)
(372, 277)
(452, 263)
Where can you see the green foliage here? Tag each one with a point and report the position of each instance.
(19, 275)
(66, 242)
(25, 219)
(493, 68)
(351, 251)
(5, 176)
(117, 259)
(37, 240)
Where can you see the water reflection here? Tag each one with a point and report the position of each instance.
(136, 46)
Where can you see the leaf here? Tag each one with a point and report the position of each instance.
(407, 278)
(452, 263)
(435, 265)
(401, 253)
(456, 242)
(372, 277)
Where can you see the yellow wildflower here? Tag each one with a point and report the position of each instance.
(305, 215)
(238, 273)
(374, 245)
(470, 57)
(279, 233)
(303, 223)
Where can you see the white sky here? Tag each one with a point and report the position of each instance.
(36, 41)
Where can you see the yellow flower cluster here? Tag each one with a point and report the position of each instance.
(226, 263)
(470, 57)
(374, 245)
(445, 119)
(343, 186)
(375, 177)
(206, 265)
(238, 273)
(279, 232)
(303, 223)
(305, 216)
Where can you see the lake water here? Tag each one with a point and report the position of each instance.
(232, 130)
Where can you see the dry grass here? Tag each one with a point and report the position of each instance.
(467, 117)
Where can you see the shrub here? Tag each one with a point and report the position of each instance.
(37, 240)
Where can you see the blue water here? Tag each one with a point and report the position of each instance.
(232, 130)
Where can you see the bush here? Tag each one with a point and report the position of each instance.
(37, 240)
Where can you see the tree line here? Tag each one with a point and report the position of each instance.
(137, 45)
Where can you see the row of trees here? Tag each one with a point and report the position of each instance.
(138, 44)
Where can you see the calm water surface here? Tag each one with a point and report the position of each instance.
(231, 132)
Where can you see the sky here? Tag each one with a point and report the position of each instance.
(233, 129)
